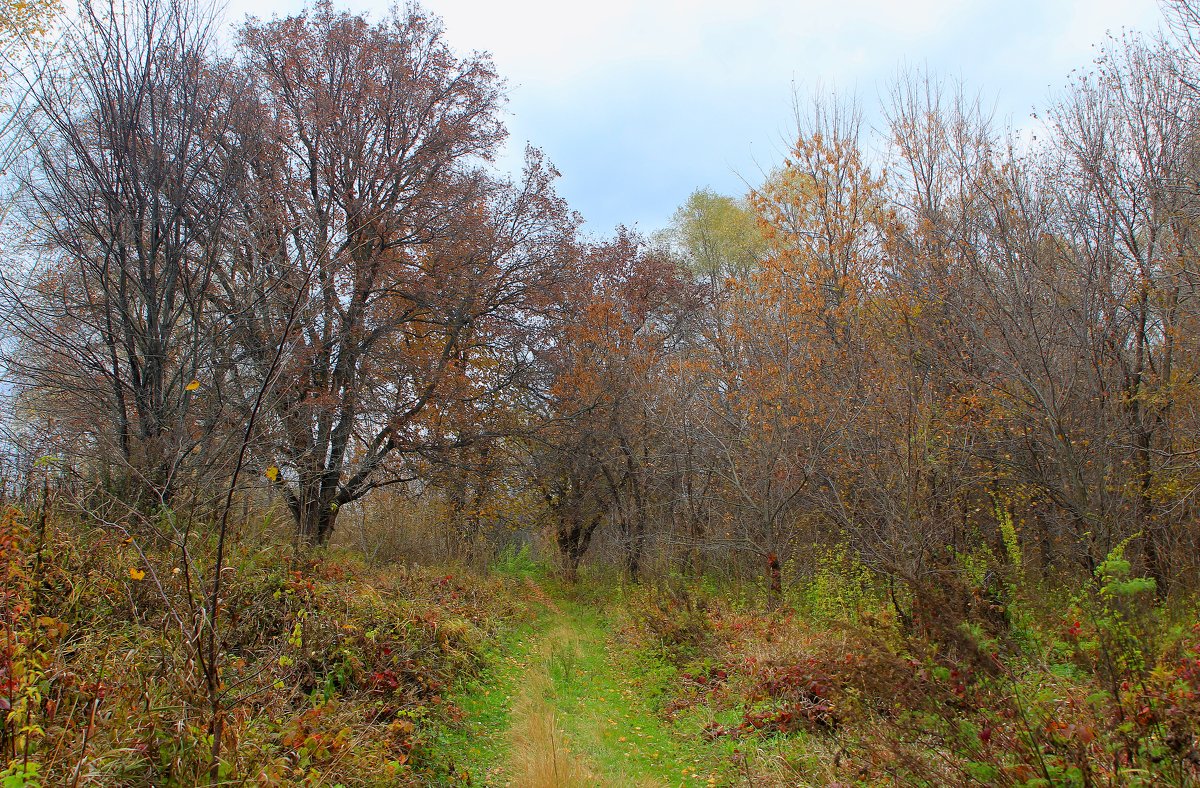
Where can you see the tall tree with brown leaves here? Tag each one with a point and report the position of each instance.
(420, 272)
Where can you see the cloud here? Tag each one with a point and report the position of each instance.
(640, 101)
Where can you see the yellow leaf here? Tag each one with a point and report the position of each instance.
(195, 384)
(137, 574)
(271, 473)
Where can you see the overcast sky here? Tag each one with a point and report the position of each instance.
(640, 102)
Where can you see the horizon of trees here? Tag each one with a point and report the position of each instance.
(295, 259)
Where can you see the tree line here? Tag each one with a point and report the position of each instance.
(290, 260)
(941, 340)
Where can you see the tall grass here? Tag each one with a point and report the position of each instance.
(540, 756)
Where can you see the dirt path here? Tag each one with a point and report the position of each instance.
(579, 718)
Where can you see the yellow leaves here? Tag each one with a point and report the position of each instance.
(136, 574)
(272, 473)
(26, 18)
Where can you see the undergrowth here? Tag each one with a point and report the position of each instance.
(334, 672)
(339, 671)
(1100, 687)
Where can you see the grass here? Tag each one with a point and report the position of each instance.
(564, 701)
(605, 699)
(478, 745)
(540, 753)
(1105, 690)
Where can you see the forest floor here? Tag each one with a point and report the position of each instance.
(566, 703)
(607, 684)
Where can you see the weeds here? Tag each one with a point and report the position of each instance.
(1107, 694)
(336, 671)
(332, 671)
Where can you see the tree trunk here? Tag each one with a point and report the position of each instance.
(775, 580)
(634, 533)
(315, 513)
(573, 535)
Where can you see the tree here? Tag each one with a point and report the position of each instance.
(418, 271)
(919, 474)
(131, 186)
(716, 234)
(601, 447)
(791, 346)
(1127, 137)
(24, 28)
(21, 23)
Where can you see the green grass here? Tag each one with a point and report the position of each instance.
(606, 697)
(476, 749)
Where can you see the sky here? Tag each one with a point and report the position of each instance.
(640, 102)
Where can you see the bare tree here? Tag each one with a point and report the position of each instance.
(131, 184)
(1127, 137)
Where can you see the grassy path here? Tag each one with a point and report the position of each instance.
(565, 707)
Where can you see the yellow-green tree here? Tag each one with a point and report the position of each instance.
(717, 235)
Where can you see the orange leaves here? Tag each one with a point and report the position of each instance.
(625, 316)
(819, 217)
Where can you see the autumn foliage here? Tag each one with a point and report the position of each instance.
(923, 402)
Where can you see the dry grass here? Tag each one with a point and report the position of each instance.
(540, 757)
(1101, 692)
(391, 527)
